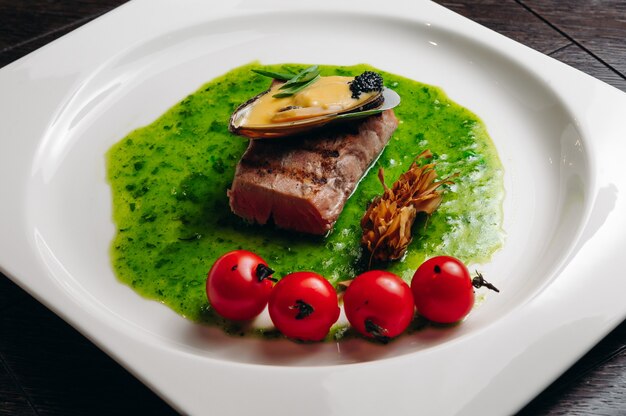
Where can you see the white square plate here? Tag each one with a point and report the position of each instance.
(559, 133)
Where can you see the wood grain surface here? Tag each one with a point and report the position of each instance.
(48, 368)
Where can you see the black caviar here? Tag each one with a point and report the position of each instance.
(368, 81)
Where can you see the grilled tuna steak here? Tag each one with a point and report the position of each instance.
(302, 184)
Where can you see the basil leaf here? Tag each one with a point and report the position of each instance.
(276, 75)
(295, 88)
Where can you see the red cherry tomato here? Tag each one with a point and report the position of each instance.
(442, 289)
(379, 305)
(239, 285)
(303, 305)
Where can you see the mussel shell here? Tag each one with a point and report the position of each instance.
(290, 128)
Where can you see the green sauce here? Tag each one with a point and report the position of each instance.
(169, 182)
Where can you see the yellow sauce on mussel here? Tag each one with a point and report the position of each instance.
(328, 95)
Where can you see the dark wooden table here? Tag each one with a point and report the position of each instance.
(47, 368)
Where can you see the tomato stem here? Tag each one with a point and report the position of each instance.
(304, 309)
(377, 331)
(479, 281)
(263, 272)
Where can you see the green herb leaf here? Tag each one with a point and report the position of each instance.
(303, 76)
(294, 83)
(276, 75)
(295, 88)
